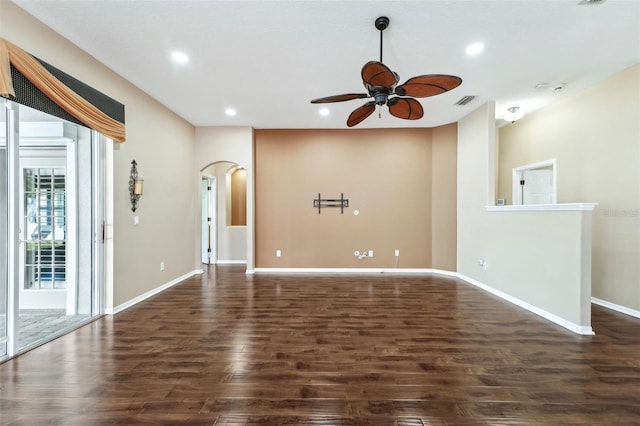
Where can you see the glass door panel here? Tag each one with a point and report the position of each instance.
(55, 282)
(51, 210)
(4, 229)
(44, 220)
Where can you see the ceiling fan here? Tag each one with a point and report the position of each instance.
(381, 84)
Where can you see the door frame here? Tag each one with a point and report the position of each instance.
(518, 172)
(101, 232)
(209, 221)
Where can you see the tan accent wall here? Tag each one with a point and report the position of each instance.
(239, 198)
(387, 176)
(595, 138)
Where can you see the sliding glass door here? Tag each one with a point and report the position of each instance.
(50, 227)
(4, 230)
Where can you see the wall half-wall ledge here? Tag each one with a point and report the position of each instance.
(543, 207)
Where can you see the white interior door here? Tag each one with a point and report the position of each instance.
(537, 187)
(535, 183)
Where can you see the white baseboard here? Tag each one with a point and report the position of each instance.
(538, 311)
(345, 271)
(583, 330)
(615, 307)
(579, 329)
(150, 293)
(231, 262)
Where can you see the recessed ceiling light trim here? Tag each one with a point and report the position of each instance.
(230, 112)
(583, 2)
(474, 49)
(179, 57)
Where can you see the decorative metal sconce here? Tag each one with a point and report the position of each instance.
(135, 185)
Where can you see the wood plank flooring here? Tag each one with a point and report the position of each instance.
(229, 349)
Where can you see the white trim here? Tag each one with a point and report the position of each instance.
(584, 330)
(150, 293)
(230, 262)
(347, 271)
(516, 176)
(543, 207)
(578, 329)
(71, 241)
(615, 307)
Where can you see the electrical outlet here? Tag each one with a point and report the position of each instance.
(370, 253)
(162, 266)
(397, 253)
(278, 253)
(482, 263)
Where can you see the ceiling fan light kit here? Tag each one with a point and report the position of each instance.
(382, 86)
(514, 114)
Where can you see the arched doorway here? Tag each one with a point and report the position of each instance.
(224, 213)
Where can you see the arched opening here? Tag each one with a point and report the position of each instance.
(224, 213)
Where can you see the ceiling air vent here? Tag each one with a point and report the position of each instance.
(581, 2)
(465, 100)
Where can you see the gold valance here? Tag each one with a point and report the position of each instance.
(54, 89)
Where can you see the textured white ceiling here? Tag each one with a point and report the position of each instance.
(268, 59)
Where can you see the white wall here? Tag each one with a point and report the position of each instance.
(233, 144)
(538, 259)
(595, 139)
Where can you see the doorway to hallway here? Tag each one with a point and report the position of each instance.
(535, 183)
(223, 189)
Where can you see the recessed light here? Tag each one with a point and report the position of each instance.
(553, 87)
(230, 112)
(474, 49)
(581, 2)
(180, 57)
(324, 112)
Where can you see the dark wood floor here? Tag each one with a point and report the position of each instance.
(224, 348)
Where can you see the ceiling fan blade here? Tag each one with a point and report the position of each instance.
(428, 85)
(407, 108)
(378, 74)
(340, 98)
(361, 113)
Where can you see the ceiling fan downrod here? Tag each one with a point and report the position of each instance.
(381, 24)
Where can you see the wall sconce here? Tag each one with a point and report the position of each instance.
(513, 115)
(136, 185)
